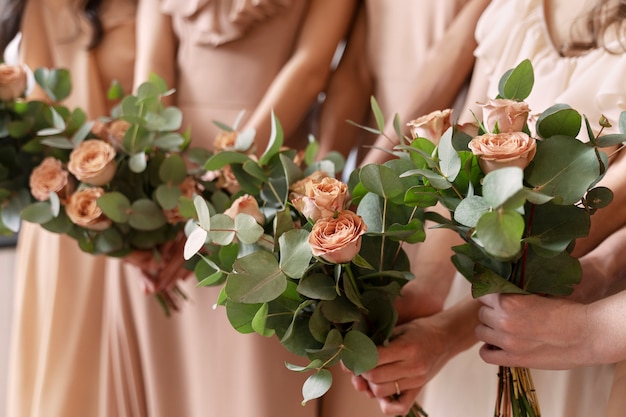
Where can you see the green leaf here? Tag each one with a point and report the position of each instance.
(340, 310)
(607, 141)
(56, 83)
(413, 232)
(316, 385)
(39, 212)
(169, 141)
(204, 214)
(275, 141)
(115, 91)
(488, 282)
(173, 169)
(310, 152)
(563, 167)
(167, 196)
(516, 84)
(318, 286)
(381, 180)
(295, 252)
(378, 114)
(360, 353)
(257, 278)
(146, 215)
(259, 321)
(560, 119)
(195, 241)
(115, 206)
(371, 210)
(500, 233)
(450, 161)
(209, 280)
(241, 315)
(554, 227)
(172, 118)
(221, 159)
(247, 229)
(599, 197)
(433, 178)
(222, 230)
(552, 276)
(58, 142)
(501, 185)
(138, 162)
(470, 209)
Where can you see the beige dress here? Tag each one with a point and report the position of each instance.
(508, 32)
(57, 330)
(194, 364)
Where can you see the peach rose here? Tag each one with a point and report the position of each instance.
(507, 115)
(431, 126)
(112, 132)
(93, 162)
(83, 210)
(189, 187)
(337, 240)
(501, 150)
(13, 80)
(248, 205)
(322, 198)
(49, 177)
(299, 187)
(227, 180)
(225, 141)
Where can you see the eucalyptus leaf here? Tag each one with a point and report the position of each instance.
(360, 353)
(204, 214)
(516, 84)
(39, 212)
(247, 229)
(167, 196)
(488, 282)
(378, 114)
(169, 141)
(316, 385)
(560, 119)
(381, 180)
(115, 206)
(257, 278)
(259, 321)
(222, 230)
(221, 159)
(195, 241)
(275, 141)
(138, 162)
(500, 233)
(470, 209)
(173, 169)
(241, 315)
(295, 252)
(318, 286)
(501, 185)
(450, 161)
(146, 215)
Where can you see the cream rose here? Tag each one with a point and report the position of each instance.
(248, 205)
(322, 198)
(507, 115)
(47, 177)
(501, 150)
(13, 80)
(83, 210)
(431, 126)
(93, 162)
(337, 240)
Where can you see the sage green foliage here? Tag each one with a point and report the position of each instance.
(519, 226)
(274, 286)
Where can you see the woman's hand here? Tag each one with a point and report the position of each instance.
(534, 331)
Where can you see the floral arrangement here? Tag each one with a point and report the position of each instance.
(307, 258)
(119, 185)
(519, 194)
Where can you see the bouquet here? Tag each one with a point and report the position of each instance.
(119, 185)
(307, 258)
(519, 194)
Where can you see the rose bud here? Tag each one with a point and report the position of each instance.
(248, 205)
(47, 177)
(13, 81)
(93, 162)
(337, 240)
(507, 115)
(501, 150)
(83, 210)
(431, 126)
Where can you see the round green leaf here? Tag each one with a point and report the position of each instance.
(360, 353)
(449, 160)
(194, 242)
(318, 286)
(115, 206)
(240, 315)
(204, 214)
(559, 119)
(172, 118)
(500, 232)
(173, 169)
(259, 321)
(221, 159)
(501, 185)
(256, 279)
(167, 196)
(146, 215)
(222, 230)
(247, 229)
(295, 252)
(599, 197)
(169, 141)
(381, 180)
(470, 209)
(517, 83)
(138, 162)
(39, 212)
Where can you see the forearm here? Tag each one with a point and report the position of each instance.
(607, 323)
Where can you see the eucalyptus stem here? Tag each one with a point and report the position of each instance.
(273, 190)
(382, 244)
(395, 256)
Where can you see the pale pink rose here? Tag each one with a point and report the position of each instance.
(431, 126)
(337, 240)
(47, 177)
(322, 198)
(93, 162)
(83, 210)
(299, 187)
(13, 80)
(501, 150)
(470, 128)
(508, 115)
(248, 205)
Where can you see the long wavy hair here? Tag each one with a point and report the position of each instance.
(606, 18)
(11, 12)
